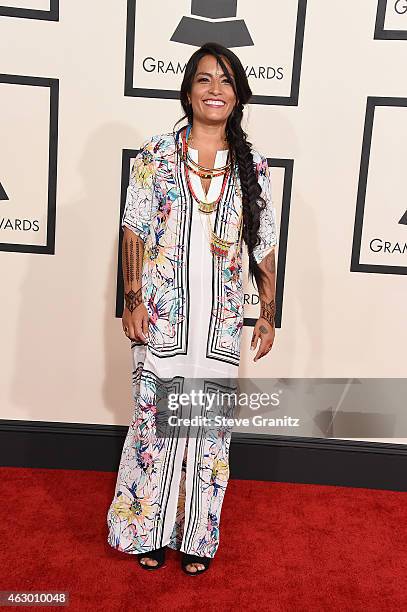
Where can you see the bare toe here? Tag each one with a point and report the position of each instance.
(151, 561)
(148, 561)
(195, 567)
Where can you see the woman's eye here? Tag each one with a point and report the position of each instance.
(202, 79)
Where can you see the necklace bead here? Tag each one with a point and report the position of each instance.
(219, 247)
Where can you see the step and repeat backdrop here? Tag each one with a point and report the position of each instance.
(83, 84)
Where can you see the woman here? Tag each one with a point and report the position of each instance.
(195, 195)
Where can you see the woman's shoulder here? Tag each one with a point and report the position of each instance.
(159, 143)
(257, 156)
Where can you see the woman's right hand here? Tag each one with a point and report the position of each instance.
(136, 323)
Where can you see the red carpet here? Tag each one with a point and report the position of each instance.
(285, 547)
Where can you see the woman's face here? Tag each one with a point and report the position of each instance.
(212, 95)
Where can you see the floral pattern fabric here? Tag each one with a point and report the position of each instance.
(170, 490)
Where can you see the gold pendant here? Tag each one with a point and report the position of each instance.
(207, 207)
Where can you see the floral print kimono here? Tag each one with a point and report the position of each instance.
(170, 490)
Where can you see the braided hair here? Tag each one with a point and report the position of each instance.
(240, 147)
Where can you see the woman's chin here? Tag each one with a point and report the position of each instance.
(214, 116)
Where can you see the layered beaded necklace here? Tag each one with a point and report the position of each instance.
(219, 247)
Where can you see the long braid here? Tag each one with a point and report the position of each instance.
(252, 202)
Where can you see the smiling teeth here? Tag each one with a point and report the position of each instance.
(214, 103)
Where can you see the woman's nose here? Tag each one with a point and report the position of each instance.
(215, 87)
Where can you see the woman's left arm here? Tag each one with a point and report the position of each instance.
(265, 258)
(265, 328)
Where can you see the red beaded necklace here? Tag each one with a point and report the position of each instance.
(205, 207)
(219, 247)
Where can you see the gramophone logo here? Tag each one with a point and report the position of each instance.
(223, 26)
(268, 37)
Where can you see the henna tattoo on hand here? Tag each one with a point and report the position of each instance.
(133, 299)
(263, 329)
(267, 310)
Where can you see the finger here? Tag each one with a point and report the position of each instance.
(262, 349)
(139, 330)
(131, 332)
(255, 338)
(145, 326)
(126, 330)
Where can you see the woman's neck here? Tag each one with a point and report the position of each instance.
(213, 136)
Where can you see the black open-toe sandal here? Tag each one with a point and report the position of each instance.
(186, 559)
(157, 555)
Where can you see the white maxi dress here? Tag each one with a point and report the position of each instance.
(169, 491)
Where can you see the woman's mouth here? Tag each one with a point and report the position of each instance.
(214, 103)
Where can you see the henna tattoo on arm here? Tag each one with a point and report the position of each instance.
(126, 255)
(270, 263)
(131, 261)
(267, 310)
(132, 298)
(137, 261)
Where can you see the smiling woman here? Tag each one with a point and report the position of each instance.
(212, 98)
(196, 195)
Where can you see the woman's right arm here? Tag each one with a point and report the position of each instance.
(139, 210)
(135, 315)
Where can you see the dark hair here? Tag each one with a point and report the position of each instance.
(252, 202)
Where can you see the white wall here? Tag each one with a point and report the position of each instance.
(63, 354)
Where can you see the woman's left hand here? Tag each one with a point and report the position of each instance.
(265, 332)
